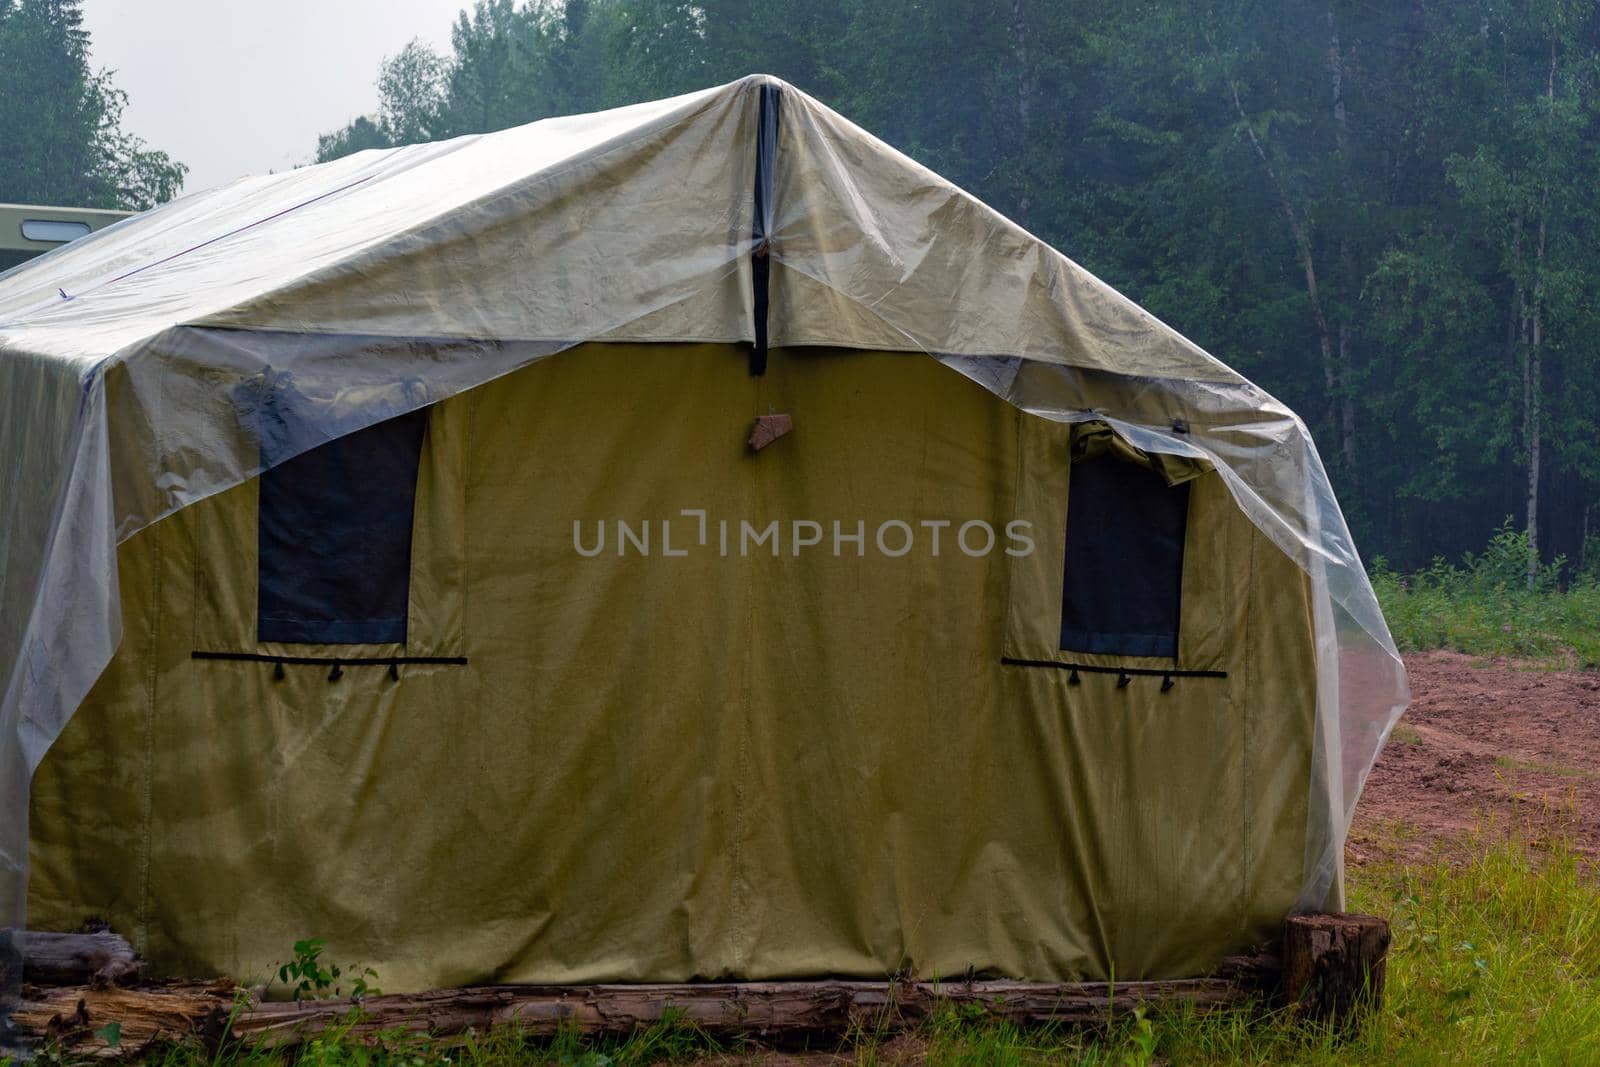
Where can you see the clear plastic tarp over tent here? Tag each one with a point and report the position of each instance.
(390, 280)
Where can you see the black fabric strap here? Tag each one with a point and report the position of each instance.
(761, 273)
(1149, 672)
(766, 178)
(330, 661)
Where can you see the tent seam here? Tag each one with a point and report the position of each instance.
(1247, 869)
(464, 472)
(1020, 443)
(151, 674)
(740, 917)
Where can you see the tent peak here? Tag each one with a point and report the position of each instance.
(758, 79)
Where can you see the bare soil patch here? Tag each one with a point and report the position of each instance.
(1486, 743)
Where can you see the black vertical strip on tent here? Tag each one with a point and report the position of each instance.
(760, 264)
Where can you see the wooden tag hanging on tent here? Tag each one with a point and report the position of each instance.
(769, 428)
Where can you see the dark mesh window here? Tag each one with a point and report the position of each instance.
(335, 538)
(1124, 559)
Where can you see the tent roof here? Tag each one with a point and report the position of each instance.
(628, 224)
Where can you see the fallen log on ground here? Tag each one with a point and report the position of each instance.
(772, 1011)
(1340, 952)
(775, 1011)
(99, 958)
(70, 1016)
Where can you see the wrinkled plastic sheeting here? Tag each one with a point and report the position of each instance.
(1267, 459)
(392, 280)
(900, 258)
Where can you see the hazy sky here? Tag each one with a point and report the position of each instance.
(235, 87)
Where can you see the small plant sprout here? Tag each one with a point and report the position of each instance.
(309, 979)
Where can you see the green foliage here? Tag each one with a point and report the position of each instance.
(361, 134)
(110, 1033)
(1588, 570)
(1483, 606)
(305, 975)
(61, 138)
(1377, 211)
(309, 979)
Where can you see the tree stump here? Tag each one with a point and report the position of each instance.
(1333, 965)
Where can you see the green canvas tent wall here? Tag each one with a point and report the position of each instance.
(311, 628)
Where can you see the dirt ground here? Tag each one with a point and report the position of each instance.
(1485, 743)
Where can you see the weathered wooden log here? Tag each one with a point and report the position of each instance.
(1333, 965)
(70, 1015)
(769, 1010)
(99, 959)
(775, 1011)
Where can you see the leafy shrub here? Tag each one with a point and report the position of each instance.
(309, 979)
(1483, 605)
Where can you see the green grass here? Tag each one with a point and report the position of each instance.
(1483, 607)
(1511, 763)
(1405, 734)
(1496, 959)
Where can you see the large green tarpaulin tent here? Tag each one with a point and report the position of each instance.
(306, 632)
